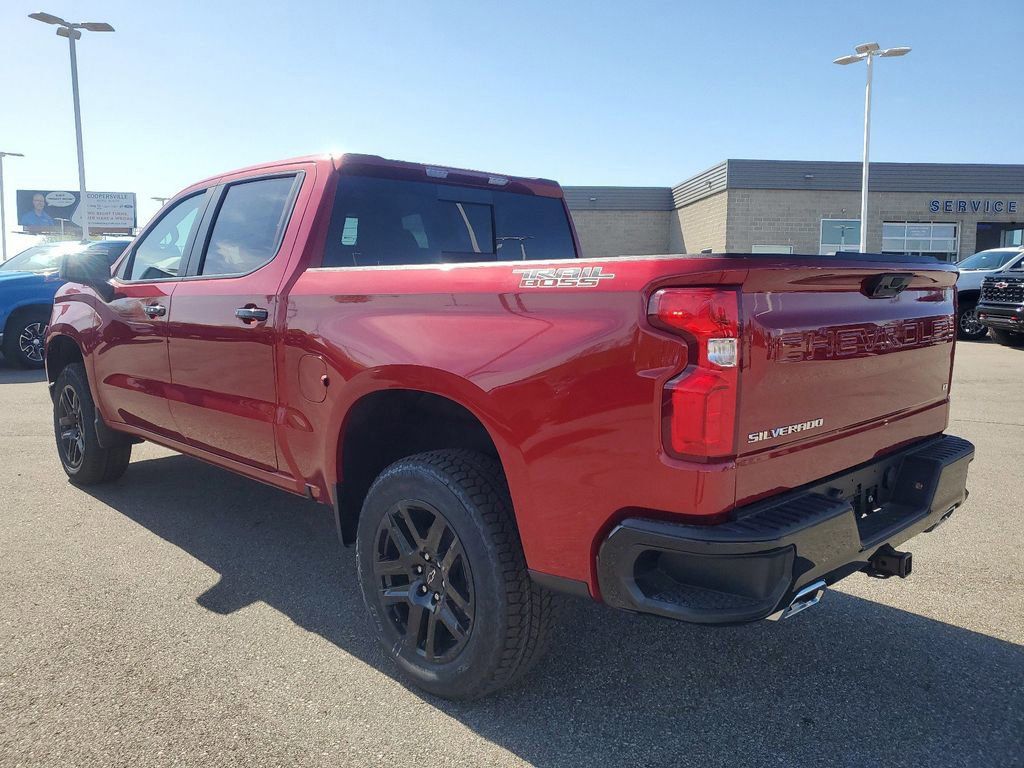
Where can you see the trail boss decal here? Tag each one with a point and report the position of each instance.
(789, 429)
(562, 277)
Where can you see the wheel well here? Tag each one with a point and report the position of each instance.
(26, 309)
(60, 352)
(386, 426)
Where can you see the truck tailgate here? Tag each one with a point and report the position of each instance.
(828, 349)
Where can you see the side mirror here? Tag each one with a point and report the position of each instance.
(90, 267)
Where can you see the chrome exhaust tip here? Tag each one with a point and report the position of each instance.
(806, 598)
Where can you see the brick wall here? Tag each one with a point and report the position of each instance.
(784, 217)
(792, 217)
(738, 219)
(622, 233)
(700, 225)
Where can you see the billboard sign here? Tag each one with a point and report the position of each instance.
(57, 210)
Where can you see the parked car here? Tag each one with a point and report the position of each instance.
(28, 282)
(973, 270)
(494, 418)
(1001, 308)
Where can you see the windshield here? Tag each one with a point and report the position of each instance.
(987, 260)
(41, 258)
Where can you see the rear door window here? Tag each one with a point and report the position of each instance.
(384, 222)
(249, 226)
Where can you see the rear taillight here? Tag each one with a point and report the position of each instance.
(700, 403)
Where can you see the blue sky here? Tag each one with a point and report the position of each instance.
(642, 93)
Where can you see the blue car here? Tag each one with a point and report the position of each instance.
(28, 282)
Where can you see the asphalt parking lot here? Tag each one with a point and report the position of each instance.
(185, 616)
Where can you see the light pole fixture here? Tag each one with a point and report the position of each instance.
(3, 211)
(866, 52)
(72, 31)
(161, 200)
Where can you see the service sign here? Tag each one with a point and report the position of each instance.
(57, 210)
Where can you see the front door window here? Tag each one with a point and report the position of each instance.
(159, 255)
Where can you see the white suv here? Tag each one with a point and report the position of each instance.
(973, 270)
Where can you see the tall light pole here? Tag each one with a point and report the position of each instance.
(72, 32)
(867, 52)
(3, 210)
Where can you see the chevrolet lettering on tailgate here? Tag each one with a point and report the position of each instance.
(861, 340)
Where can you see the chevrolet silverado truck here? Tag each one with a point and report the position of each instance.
(496, 419)
(1001, 306)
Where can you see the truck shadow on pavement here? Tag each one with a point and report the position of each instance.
(852, 682)
(11, 375)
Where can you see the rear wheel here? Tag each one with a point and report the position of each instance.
(24, 337)
(968, 327)
(74, 425)
(1008, 339)
(443, 575)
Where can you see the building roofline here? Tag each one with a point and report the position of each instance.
(611, 198)
(826, 175)
(812, 175)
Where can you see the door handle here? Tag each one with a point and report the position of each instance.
(155, 310)
(250, 314)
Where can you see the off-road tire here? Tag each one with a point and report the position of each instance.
(85, 462)
(511, 617)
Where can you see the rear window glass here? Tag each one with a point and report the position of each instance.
(380, 222)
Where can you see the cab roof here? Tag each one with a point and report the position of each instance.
(351, 163)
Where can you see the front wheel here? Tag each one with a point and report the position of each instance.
(84, 460)
(968, 327)
(1008, 339)
(24, 338)
(444, 578)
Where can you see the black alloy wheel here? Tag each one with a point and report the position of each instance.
(70, 438)
(84, 459)
(969, 327)
(444, 578)
(424, 583)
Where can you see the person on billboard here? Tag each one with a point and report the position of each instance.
(37, 217)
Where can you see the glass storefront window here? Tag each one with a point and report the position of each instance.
(839, 235)
(1012, 237)
(920, 239)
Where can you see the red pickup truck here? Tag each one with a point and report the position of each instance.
(496, 419)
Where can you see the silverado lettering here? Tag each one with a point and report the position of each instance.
(771, 434)
(482, 446)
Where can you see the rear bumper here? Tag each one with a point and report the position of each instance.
(1008, 317)
(753, 566)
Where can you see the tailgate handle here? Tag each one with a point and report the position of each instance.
(885, 286)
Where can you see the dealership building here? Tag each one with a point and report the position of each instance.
(948, 211)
